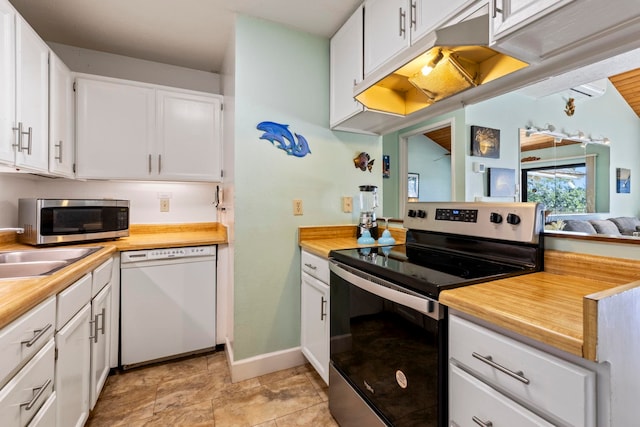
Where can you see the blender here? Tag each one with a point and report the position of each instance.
(368, 203)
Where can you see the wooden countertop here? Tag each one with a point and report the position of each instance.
(17, 296)
(320, 240)
(558, 306)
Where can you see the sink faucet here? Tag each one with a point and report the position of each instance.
(16, 229)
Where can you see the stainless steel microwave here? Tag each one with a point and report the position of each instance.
(48, 221)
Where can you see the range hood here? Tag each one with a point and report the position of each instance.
(441, 64)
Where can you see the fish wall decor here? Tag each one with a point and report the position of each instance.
(278, 133)
(362, 162)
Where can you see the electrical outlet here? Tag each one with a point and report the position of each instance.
(347, 204)
(297, 207)
(164, 205)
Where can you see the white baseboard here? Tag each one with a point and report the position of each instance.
(262, 364)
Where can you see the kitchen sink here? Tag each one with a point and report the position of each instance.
(14, 270)
(39, 262)
(54, 254)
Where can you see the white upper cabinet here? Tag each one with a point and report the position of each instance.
(61, 118)
(115, 125)
(130, 130)
(346, 69)
(508, 15)
(429, 15)
(7, 81)
(385, 31)
(24, 80)
(189, 136)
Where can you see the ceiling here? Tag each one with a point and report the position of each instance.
(187, 33)
(628, 84)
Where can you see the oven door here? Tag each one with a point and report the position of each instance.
(388, 353)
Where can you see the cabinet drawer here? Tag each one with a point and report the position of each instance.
(21, 398)
(101, 276)
(470, 399)
(72, 299)
(315, 266)
(555, 386)
(23, 337)
(46, 416)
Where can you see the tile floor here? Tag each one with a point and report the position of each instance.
(198, 392)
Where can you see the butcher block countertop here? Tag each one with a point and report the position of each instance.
(17, 296)
(559, 306)
(320, 240)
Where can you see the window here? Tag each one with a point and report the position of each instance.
(562, 188)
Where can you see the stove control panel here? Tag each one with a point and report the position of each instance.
(522, 222)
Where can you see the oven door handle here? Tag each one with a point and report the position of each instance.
(388, 291)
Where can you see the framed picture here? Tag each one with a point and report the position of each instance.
(502, 182)
(485, 142)
(623, 180)
(413, 181)
(386, 167)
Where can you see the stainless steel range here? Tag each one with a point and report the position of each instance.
(388, 346)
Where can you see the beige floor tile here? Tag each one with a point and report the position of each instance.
(198, 415)
(316, 416)
(318, 383)
(269, 401)
(119, 409)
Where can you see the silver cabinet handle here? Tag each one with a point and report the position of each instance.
(489, 361)
(496, 10)
(37, 392)
(414, 15)
(29, 140)
(159, 163)
(481, 423)
(37, 334)
(323, 305)
(95, 322)
(311, 266)
(149, 163)
(102, 314)
(59, 147)
(402, 15)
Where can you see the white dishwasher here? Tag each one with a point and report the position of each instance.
(168, 303)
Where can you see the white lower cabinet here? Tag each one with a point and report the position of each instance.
(314, 309)
(513, 382)
(23, 396)
(46, 416)
(100, 341)
(73, 370)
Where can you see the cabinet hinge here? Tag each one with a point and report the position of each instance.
(74, 86)
(221, 173)
(74, 168)
(221, 107)
(55, 355)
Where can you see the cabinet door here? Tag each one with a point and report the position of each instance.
(61, 118)
(386, 26)
(7, 82)
(314, 338)
(32, 97)
(189, 136)
(73, 370)
(346, 68)
(509, 15)
(100, 341)
(428, 15)
(115, 125)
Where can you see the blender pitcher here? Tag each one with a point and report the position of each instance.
(368, 204)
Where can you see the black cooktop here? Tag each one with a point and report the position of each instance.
(424, 270)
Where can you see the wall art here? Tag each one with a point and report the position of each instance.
(413, 185)
(623, 180)
(485, 142)
(502, 182)
(363, 162)
(278, 133)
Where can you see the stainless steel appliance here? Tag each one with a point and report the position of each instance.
(47, 221)
(167, 293)
(368, 204)
(388, 347)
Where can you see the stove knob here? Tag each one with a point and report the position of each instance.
(422, 214)
(513, 219)
(495, 217)
(412, 213)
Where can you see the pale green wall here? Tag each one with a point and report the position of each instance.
(433, 164)
(283, 76)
